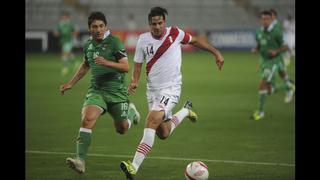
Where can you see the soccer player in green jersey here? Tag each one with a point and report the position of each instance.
(277, 25)
(105, 55)
(66, 30)
(270, 46)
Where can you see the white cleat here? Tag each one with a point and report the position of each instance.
(76, 164)
(136, 119)
(289, 95)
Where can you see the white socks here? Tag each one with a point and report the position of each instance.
(147, 140)
(129, 123)
(144, 147)
(85, 130)
(178, 117)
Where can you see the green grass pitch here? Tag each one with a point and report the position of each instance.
(233, 146)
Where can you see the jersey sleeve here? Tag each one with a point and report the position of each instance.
(85, 52)
(119, 49)
(139, 54)
(279, 38)
(185, 38)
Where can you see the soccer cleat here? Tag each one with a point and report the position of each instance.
(192, 115)
(290, 94)
(128, 169)
(136, 119)
(257, 115)
(76, 164)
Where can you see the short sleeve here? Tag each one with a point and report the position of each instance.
(185, 37)
(119, 49)
(280, 38)
(85, 48)
(139, 54)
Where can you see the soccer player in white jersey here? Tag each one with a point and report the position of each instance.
(161, 49)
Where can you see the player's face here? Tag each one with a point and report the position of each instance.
(157, 26)
(97, 29)
(266, 20)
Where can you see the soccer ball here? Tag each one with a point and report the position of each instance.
(197, 170)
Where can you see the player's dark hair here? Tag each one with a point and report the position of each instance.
(273, 11)
(157, 11)
(96, 16)
(266, 13)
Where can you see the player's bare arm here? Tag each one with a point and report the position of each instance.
(202, 43)
(135, 78)
(83, 69)
(122, 65)
(275, 52)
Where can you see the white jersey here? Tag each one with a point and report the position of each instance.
(162, 56)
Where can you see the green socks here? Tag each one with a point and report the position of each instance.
(131, 114)
(83, 142)
(262, 99)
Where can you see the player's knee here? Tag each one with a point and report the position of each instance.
(152, 122)
(88, 121)
(121, 129)
(163, 136)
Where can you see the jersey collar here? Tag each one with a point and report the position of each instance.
(274, 22)
(106, 34)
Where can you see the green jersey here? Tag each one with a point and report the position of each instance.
(65, 28)
(102, 77)
(269, 39)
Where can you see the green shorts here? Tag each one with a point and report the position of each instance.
(281, 65)
(269, 68)
(67, 47)
(117, 104)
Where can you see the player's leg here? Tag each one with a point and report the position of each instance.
(123, 114)
(92, 109)
(166, 128)
(267, 74)
(67, 57)
(287, 85)
(154, 119)
(90, 114)
(65, 62)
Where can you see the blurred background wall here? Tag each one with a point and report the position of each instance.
(229, 24)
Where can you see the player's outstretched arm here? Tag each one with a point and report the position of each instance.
(275, 52)
(83, 69)
(202, 43)
(135, 78)
(121, 65)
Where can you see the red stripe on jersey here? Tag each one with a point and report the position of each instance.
(186, 38)
(173, 34)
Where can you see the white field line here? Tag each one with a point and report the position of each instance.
(168, 158)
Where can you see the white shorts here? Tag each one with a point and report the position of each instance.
(164, 99)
